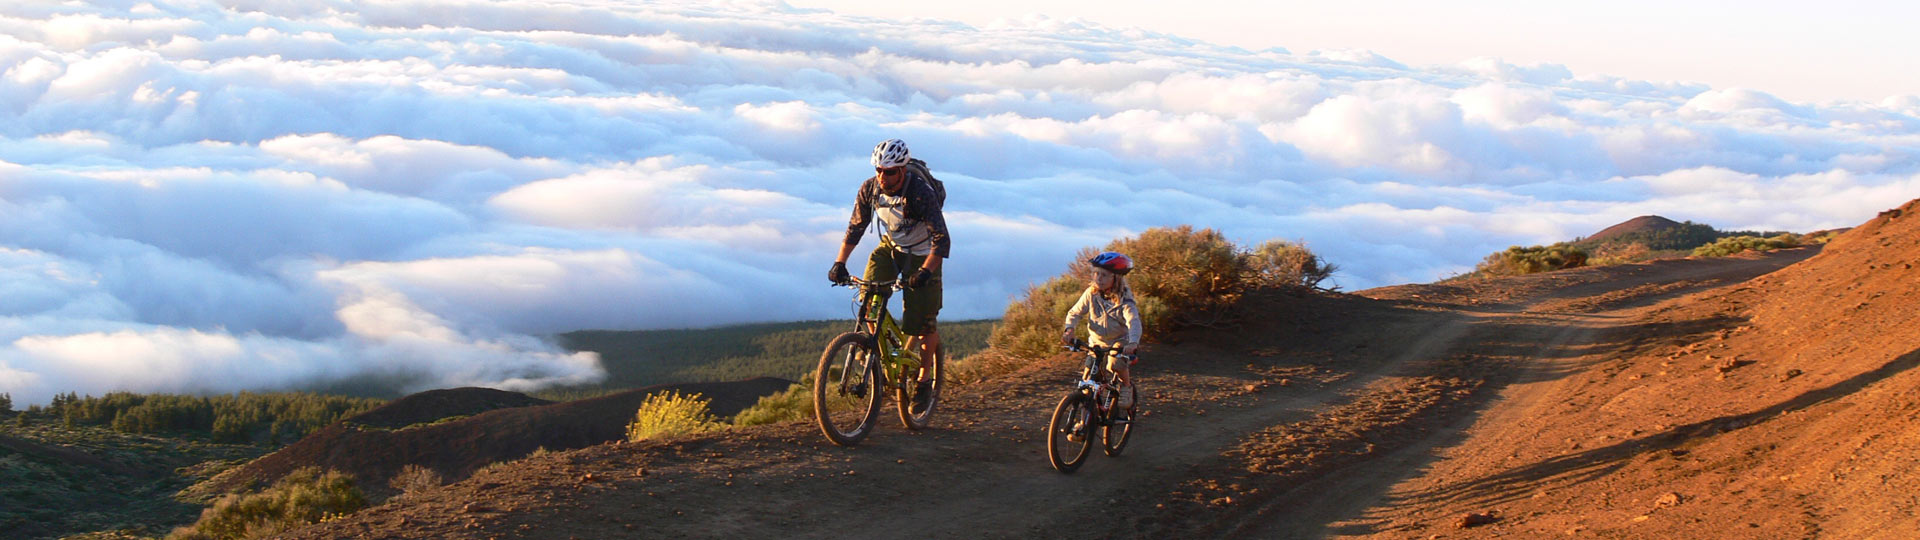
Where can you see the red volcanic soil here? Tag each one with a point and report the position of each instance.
(457, 431)
(1753, 396)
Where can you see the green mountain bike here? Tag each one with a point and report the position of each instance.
(1089, 408)
(873, 359)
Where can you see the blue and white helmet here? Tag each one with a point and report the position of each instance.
(890, 153)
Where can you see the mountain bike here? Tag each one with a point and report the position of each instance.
(859, 366)
(1089, 406)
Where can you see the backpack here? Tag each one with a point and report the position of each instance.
(939, 188)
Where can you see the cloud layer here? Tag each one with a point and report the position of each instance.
(213, 195)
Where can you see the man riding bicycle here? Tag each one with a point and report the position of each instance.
(913, 242)
(1113, 317)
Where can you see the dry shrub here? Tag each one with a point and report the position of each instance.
(796, 403)
(1283, 264)
(1194, 273)
(1736, 244)
(667, 414)
(1182, 277)
(1518, 260)
(1031, 325)
(303, 497)
(414, 479)
(981, 365)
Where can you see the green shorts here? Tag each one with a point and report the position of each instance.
(922, 304)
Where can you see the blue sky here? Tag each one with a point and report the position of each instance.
(213, 195)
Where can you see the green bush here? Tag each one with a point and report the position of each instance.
(667, 414)
(1736, 244)
(6, 402)
(303, 497)
(1518, 260)
(796, 403)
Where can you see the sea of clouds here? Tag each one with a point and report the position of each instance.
(215, 195)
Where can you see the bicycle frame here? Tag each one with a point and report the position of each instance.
(889, 341)
(1092, 383)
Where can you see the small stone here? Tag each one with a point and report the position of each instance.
(1475, 520)
(1669, 500)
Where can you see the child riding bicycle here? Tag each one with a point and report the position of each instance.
(1113, 317)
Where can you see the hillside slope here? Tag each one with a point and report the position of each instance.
(457, 431)
(1785, 407)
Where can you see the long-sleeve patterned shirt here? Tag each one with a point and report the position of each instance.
(911, 218)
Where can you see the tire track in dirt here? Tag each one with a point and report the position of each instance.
(1561, 329)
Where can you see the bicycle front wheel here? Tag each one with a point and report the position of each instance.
(1070, 433)
(1113, 437)
(846, 389)
(916, 407)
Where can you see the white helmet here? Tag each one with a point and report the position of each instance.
(890, 153)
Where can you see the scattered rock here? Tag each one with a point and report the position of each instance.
(1729, 364)
(1790, 374)
(1476, 519)
(475, 508)
(1222, 501)
(1669, 500)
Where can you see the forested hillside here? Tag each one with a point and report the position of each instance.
(637, 358)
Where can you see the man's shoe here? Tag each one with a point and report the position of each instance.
(922, 397)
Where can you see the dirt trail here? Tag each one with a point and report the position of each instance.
(1419, 365)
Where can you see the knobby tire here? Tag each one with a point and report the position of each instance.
(904, 396)
(1113, 438)
(847, 417)
(1066, 455)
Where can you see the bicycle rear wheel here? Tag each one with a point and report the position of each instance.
(912, 414)
(1113, 437)
(846, 389)
(1070, 433)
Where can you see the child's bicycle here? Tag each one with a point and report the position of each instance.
(860, 365)
(1087, 407)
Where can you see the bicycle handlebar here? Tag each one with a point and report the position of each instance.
(1082, 346)
(895, 284)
